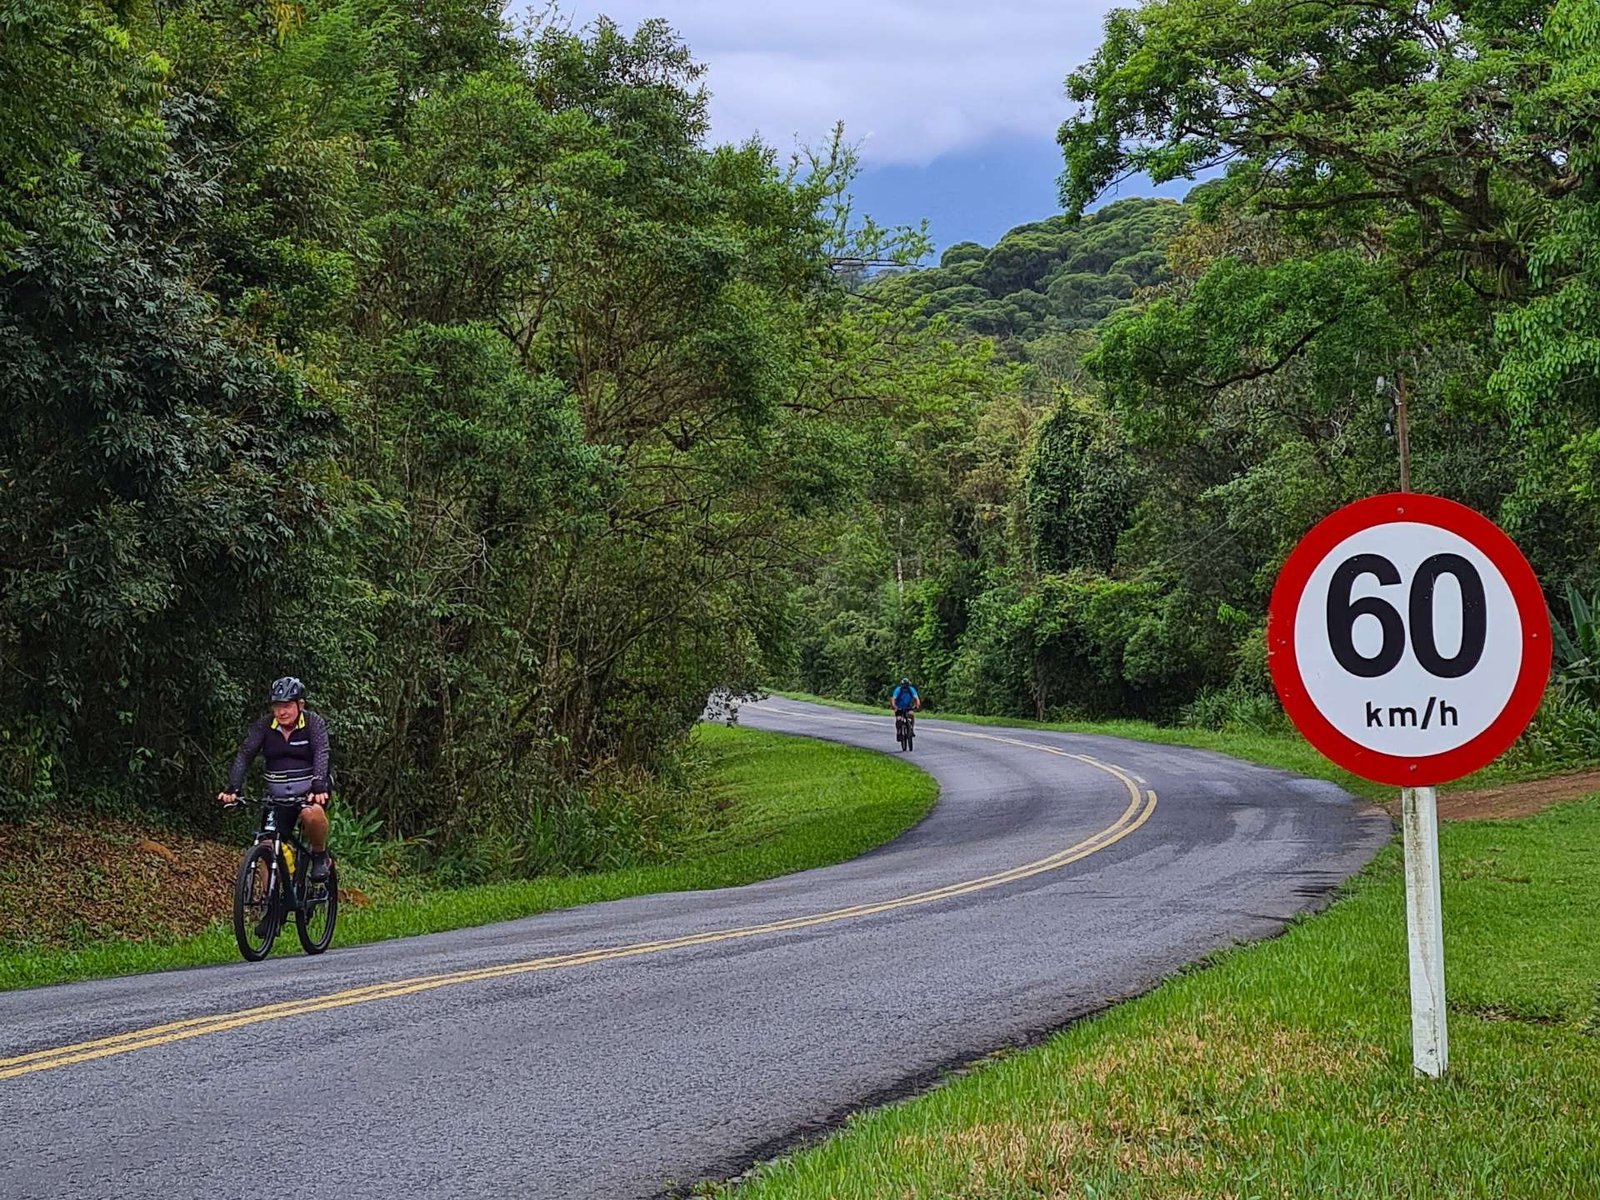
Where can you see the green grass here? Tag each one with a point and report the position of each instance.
(1284, 1069)
(793, 804)
(1285, 749)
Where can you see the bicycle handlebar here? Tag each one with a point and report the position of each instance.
(240, 800)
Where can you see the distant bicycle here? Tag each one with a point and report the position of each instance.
(903, 701)
(905, 729)
(274, 880)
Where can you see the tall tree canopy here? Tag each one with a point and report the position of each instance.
(446, 365)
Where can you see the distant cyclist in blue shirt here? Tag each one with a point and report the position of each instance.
(904, 698)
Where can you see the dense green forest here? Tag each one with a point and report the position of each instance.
(1394, 191)
(448, 364)
(441, 363)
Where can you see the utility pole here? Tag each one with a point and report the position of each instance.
(1402, 433)
(1399, 426)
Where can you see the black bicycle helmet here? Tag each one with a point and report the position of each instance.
(286, 689)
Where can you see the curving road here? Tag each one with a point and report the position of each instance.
(634, 1047)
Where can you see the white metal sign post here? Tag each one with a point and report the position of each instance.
(1419, 833)
(1409, 642)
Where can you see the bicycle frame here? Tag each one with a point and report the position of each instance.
(289, 853)
(904, 723)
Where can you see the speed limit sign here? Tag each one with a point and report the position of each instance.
(1409, 642)
(1408, 639)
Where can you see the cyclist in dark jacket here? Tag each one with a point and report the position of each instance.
(293, 743)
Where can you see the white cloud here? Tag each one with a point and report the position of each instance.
(910, 80)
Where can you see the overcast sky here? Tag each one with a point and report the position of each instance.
(955, 104)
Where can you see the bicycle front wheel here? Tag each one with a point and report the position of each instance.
(314, 920)
(255, 908)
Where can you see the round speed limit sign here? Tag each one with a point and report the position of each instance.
(1408, 639)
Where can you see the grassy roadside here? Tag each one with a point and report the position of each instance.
(793, 804)
(1286, 749)
(1284, 1069)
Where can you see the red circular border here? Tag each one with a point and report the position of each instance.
(1525, 591)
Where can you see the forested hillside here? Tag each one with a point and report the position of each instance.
(1407, 192)
(443, 365)
(1054, 276)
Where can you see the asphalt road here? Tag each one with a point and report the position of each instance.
(628, 1048)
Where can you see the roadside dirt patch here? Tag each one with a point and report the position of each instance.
(1509, 800)
(67, 885)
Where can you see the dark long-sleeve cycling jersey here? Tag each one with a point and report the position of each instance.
(294, 761)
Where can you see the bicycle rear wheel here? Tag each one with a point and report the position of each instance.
(255, 907)
(314, 921)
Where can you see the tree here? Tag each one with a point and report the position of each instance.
(158, 463)
(1079, 489)
(1551, 340)
(1333, 114)
(67, 70)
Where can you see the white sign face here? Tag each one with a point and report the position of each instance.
(1408, 639)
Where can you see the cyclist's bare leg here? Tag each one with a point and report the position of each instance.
(314, 825)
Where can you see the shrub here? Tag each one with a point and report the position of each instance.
(1564, 733)
(1235, 707)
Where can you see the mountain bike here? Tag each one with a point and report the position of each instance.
(274, 880)
(905, 729)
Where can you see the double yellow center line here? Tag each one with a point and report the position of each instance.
(1140, 806)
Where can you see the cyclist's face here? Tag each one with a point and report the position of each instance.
(286, 713)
